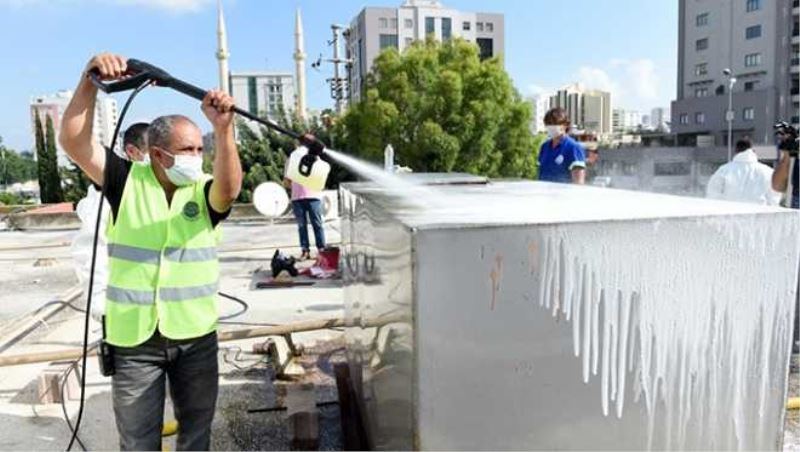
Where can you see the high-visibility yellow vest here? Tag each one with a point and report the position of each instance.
(163, 267)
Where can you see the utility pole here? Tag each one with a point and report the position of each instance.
(338, 83)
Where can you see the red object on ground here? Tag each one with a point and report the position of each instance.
(326, 266)
(328, 258)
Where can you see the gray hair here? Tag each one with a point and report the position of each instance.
(159, 133)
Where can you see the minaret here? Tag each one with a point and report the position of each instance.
(222, 50)
(300, 67)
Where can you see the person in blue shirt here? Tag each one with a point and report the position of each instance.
(561, 158)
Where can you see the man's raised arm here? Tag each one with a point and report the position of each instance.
(218, 108)
(76, 125)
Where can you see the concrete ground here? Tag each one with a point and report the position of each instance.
(40, 268)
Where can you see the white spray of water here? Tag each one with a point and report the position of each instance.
(389, 183)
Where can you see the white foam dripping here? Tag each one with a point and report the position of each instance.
(696, 335)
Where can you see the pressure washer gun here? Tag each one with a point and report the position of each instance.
(309, 166)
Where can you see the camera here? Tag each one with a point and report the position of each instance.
(790, 135)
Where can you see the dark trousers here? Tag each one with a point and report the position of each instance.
(306, 210)
(138, 390)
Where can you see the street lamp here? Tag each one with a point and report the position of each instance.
(729, 115)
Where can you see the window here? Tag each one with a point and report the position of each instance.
(702, 20)
(701, 69)
(701, 92)
(684, 118)
(409, 23)
(388, 41)
(383, 22)
(629, 169)
(753, 32)
(430, 26)
(252, 94)
(479, 26)
(753, 5)
(467, 26)
(393, 23)
(672, 169)
(489, 27)
(752, 60)
(447, 28)
(750, 86)
(701, 44)
(699, 118)
(486, 48)
(749, 114)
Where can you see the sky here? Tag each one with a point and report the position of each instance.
(628, 47)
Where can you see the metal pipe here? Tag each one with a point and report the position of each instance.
(224, 336)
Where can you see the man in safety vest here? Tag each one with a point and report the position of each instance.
(161, 310)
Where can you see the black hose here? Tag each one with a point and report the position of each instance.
(91, 271)
(64, 403)
(244, 304)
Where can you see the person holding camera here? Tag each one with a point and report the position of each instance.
(786, 178)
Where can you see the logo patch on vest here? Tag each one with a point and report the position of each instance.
(191, 211)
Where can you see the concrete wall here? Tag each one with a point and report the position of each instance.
(680, 171)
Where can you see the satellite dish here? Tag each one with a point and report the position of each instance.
(270, 199)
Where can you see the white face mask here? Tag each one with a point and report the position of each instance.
(554, 131)
(186, 169)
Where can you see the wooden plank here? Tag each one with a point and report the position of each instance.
(301, 407)
(354, 435)
(49, 388)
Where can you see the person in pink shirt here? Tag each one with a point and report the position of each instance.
(307, 207)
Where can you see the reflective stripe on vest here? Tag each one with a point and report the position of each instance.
(145, 256)
(167, 294)
(163, 267)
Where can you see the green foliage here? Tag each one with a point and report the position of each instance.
(538, 141)
(56, 192)
(262, 160)
(10, 199)
(15, 167)
(49, 181)
(76, 183)
(41, 158)
(443, 110)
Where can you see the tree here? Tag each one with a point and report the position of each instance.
(48, 167)
(15, 167)
(261, 160)
(41, 159)
(443, 109)
(76, 183)
(10, 199)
